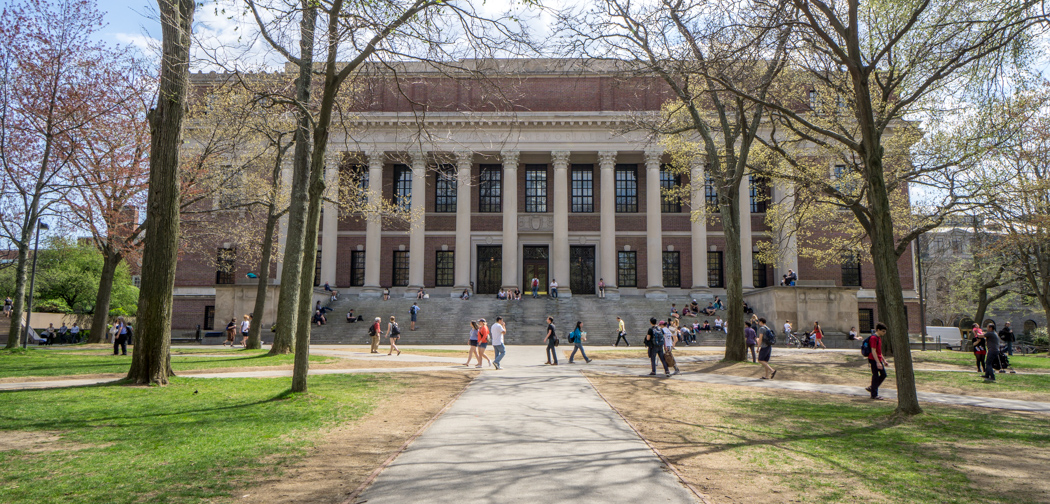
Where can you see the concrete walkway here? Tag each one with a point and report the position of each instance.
(528, 434)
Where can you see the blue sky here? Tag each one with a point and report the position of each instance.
(129, 21)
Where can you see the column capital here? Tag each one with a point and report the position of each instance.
(332, 159)
(652, 158)
(560, 159)
(464, 158)
(607, 159)
(510, 158)
(419, 159)
(375, 157)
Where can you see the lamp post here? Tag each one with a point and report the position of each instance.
(32, 282)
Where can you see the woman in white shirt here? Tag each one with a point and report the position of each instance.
(245, 325)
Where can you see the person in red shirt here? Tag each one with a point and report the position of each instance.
(483, 341)
(877, 361)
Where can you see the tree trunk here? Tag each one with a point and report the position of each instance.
(15, 335)
(306, 287)
(736, 349)
(255, 331)
(151, 357)
(288, 302)
(110, 261)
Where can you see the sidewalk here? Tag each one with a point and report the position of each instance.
(528, 434)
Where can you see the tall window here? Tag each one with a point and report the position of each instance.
(400, 268)
(445, 189)
(866, 318)
(710, 194)
(626, 188)
(715, 277)
(668, 181)
(758, 189)
(444, 270)
(627, 270)
(759, 272)
(355, 175)
(357, 268)
(490, 188)
(536, 188)
(850, 270)
(225, 263)
(209, 318)
(582, 188)
(844, 179)
(814, 101)
(317, 269)
(672, 269)
(403, 186)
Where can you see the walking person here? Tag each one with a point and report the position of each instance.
(413, 311)
(993, 343)
(473, 341)
(483, 341)
(230, 329)
(818, 334)
(1007, 335)
(601, 288)
(497, 332)
(787, 329)
(751, 338)
(980, 351)
(7, 306)
(766, 351)
(621, 334)
(552, 342)
(374, 331)
(577, 337)
(670, 338)
(876, 360)
(121, 339)
(654, 344)
(245, 326)
(393, 332)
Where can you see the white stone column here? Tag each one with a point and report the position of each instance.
(464, 163)
(560, 251)
(698, 227)
(607, 220)
(510, 221)
(330, 222)
(784, 196)
(654, 244)
(282, 226)
(416, 243)
(373, 225)
(747, 270)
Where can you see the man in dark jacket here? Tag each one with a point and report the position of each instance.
(992, 340)
(1007, 335)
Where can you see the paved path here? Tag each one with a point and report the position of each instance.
(528, 434)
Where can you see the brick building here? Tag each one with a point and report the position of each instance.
(536, 173)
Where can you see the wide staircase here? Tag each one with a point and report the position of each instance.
(446, 321)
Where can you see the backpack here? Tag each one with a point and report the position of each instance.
(658, 338)
(865, 347)
(413, 310)
(372, 330)
(770, 336)
(395, 331)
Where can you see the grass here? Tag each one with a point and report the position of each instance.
(835, 449)
(194, 440)
(967, 359)
(45, 362)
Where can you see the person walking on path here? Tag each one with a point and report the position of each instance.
(764, 353)
(374, 331)
(787, 329)
(980, 350)
(245, 326)
(819, 335)
(621, 334)
(473, 341)
(552, 342)
(654, 344)
(483, 341)
(7, 306)
(413, 311)
(497, 332)
(393, 332)
(601, 288)
(876, 360)
(577, 337)
(230, 328)
(992, 340)
(121, 339)
(1007, 335)
(670, 338)
(752, 339)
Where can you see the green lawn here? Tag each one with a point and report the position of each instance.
(967, 359)
(193, 440)
(45, 362)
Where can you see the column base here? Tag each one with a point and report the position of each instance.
(563, 293)
(371, 292)
(457, 290)
(612, 293)
(700, 292)
(411, 290)
(655, 293)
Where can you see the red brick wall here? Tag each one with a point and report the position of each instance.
(188, 311)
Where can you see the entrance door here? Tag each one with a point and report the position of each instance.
(535, 262)
(490, 269)
(581, 269)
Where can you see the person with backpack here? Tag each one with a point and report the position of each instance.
(373, 334)
(535, 287)
(621, 334)
(992, 359)
(413, 311)
(393, 332)
(577, 337)
(552, 342)
(654, 345)
(872, 349)
(769, 338)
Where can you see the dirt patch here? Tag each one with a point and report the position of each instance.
(39, 442)
(346, 455)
